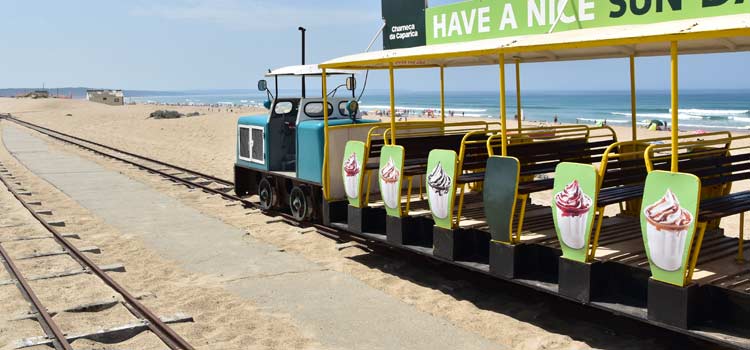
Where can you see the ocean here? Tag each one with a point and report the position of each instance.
(728, 109)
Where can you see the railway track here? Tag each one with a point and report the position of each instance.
(190, 178)
(55, 337)
(175, 173)
(224, 188)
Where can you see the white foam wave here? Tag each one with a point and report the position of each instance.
(660, 115)
(712, 112)
(413, 108)
(708, 126)
(616, 121)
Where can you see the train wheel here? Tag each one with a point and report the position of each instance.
(299, 204)
(267, 194)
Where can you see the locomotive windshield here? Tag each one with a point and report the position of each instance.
(315, 109)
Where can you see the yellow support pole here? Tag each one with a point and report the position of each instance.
(701, 227)
(597, 231)
(518, 93)
(442, 94)
(369, 187)
(503, 112)
(633, 120)
(408, 196)
(460, 206)
(393, 104)
(675, 107)
(524, 199)
(326, 180)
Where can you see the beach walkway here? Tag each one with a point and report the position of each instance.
(335, 309)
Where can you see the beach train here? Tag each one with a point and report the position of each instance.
(462, 192)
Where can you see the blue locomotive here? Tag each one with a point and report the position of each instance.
(280, 156)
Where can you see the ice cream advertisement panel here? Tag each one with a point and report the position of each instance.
(390, 179)
(352, 169)
(441, 186)
(574, 207)
(668, 221)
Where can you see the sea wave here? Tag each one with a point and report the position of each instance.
(659, 115)
(712, 112)
(709, 126)
(414, 108)
(616, 121)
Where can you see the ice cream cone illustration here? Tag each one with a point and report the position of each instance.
(439, 184)
(351, 178)
(389, 184)
(666, 229)
(573, 210)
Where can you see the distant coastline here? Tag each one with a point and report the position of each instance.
(700, 109)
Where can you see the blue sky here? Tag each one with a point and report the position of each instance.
(225, 44)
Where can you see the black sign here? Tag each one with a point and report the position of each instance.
(404, 23)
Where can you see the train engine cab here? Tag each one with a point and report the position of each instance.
(280, 155)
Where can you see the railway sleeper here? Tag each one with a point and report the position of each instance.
(96, 306)
(57, 223)
(109, 335)
(92, 249)
(107, 268)
(30, 238)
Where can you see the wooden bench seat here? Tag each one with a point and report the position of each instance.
(541, 158)
(535, 186)
(717, 208)
(538, 153)
(623, 180)
(614, 195)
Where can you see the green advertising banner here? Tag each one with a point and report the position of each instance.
(441, 186)
(574, 207)
(390, 180)
(351, 171)
(668, 222)
(500, 191)
(488, 19)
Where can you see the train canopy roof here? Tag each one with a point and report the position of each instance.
(306, 70)
(702, 35)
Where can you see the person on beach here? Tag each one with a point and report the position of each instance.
(555, 118)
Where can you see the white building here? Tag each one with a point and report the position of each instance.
(110, 97)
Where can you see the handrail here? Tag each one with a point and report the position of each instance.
(371, 134)
(466, 140)
(612, 131)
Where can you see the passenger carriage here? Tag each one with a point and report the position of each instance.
(460, 192)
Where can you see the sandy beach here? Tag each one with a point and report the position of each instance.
(207, 143)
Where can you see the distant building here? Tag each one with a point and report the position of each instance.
(110, 97)
(35, 94)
